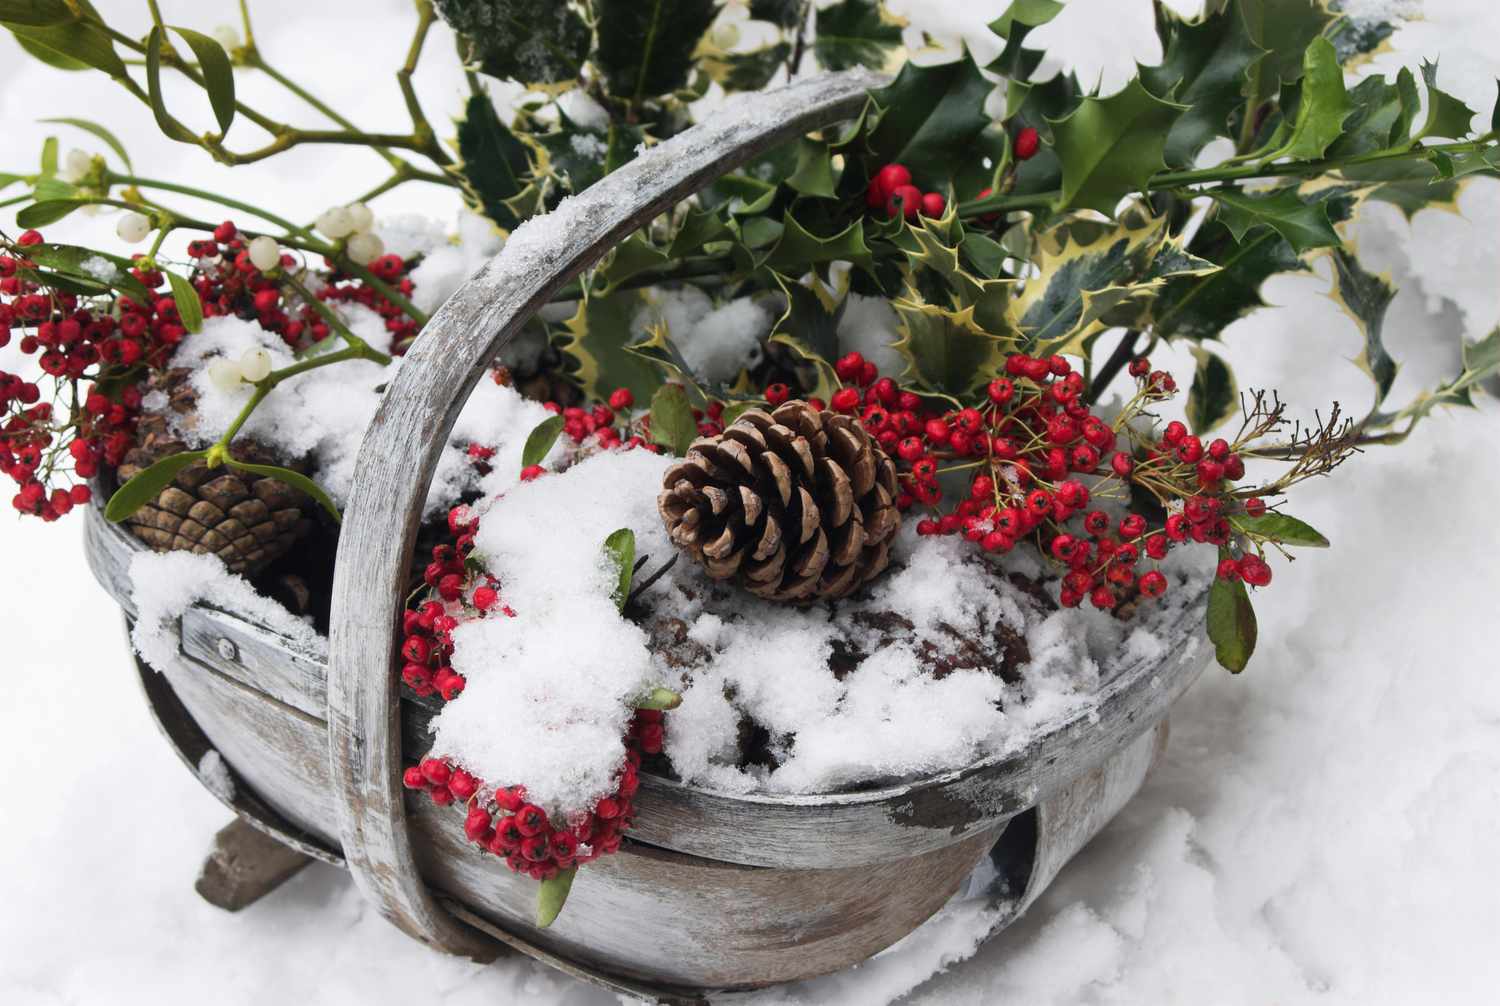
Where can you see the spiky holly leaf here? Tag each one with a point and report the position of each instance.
(929, 118)
(574, 156)
(1381, 117)
(631, 257)
(1284, 29)
(744, 71)
(1204, 68)
(1365, 297)
(786, 13)
(1304, 224)
(597, 340)
(1200, 307)
(814, 174)
(1481, 362)
(856, 33)
(1231, 622)
(935, 246)
(658, 348)
(798, 249)
(528, 41)
(1409, 196)
(1322, 105)
(1446, 115)
(1013, 25)
(646, 46)
(809, 328)
(699, 227)
(946, 353)
(1214, 394)
(1109, 147)
(494, 162)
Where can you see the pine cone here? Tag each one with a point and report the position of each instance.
(794, 505)
(247, 520)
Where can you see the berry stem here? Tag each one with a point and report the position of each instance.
(111, 178)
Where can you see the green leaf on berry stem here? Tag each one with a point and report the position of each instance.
(218, 74)
(294, 479)
(672, 422)
(552, 895)
(620, 547)
(71, 45)
(48, 211)
(69, 260)
(144, 487)
(1109, 147)
(1231, 622)
(539, 442)
(189, 307)
(1280, 528)
(34, 13)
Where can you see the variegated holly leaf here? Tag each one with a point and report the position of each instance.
(783, 13)
(1214, 395)
(743, 71)
(809, 328)
(1201, 306)
(533, 42)
(1365, 297)
(1204, 67)
(1110, 147)
(929, 118)
(494, 165)
(1304, 224)
(946, 352)
(658, 348)
(936, 246)
(857, 33)
(597, 340)
(1358, 39)
(645, 47)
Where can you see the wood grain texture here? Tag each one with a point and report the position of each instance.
(244, 865)
(401, 447)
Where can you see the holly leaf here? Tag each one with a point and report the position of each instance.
(294, 479)
(1284, 29)
(145, 485)
(575, 156)
(551, 895)
(814, 174)
(1446, 115)
(1013, 25)
(1110, 147)
(1214, 394)
(1203, 68)
(1358, 38)
(798, 249)
(856, 33)
(494, 162)
(598, 338)
(540, 440)
(929, 118)
(189, 307)
(630, 258)
(1280, 528)
(672, 422)
(945, 351)
(698, 228)
(1381, 117)
(1200, 307)
(1409, 196)
(620, 547)
(1365, 297)
(1231, 622)
(744, 71)
(645, 47)
(1322, 106)
(1305, 225)
(809, 328)
(528, 41)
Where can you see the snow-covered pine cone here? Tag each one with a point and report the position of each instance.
(794, 505)
(247, 520)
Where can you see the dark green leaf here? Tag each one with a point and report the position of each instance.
(1365, 297)
(1214, 394)
(1204, 68)
(598, 340)
(1231, 622)
(1110, 146)
(810, 329)
(494, 161)
(540, 440)
(1322, 107)
(984, 254)
(699, 227)
(144, 487)
(34, 13)
(745, 71)
(1414, 195)
(1283, 28)
(672, 423)
(69, 259)
(798, 249)
(172, 128)
(1200, 307)
(1380, 110)
(71, 45)
(929, 119)
(189, 307)
(1495, 114)
(218, 74)
(620, 547)
(1304, 224)
(529, 41)
(551, 895)
(646, 46)
(1446, 115)
(49, 211)
(103, 134)
(855, 33)
(51, 57)
(296, 480)
(1280, 528)
(1013, 25)
(814, 174)
(631, 257)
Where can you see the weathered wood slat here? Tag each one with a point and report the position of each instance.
(244, 865)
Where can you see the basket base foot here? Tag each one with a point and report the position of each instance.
(244, 866)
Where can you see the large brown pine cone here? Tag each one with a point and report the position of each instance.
(795, 505)
(247, 520)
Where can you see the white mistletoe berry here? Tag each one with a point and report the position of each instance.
(255, 364)
(76, 165)
(365, 248)
(265, 253)
(225, 374)
(226, 36)
(336, 223)
(133, 227)
(361, 216)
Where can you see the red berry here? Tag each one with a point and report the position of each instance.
(1122, 464)
(904, 200)
(1027, 142)
(485, 598)
(436, 771)
(933, 204)
(530, 820)
(532, 472)
(845, 400)
(477, 824)
(1174, 433)
(777, 393)
(890, 178)
(621, 399)
(1140, 367)
(1255, 506)
(1153, 584)
(29, 238)
(413, 778)
(225, 232)
(1227, 569)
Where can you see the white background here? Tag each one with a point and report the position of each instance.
(1325, 825)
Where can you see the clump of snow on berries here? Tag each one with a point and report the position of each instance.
(716, 342)
(869, 326)
(165, 585)
(549, 692)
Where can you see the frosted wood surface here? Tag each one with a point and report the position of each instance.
(400, 450)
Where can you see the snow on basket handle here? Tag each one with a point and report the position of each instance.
(395, 471)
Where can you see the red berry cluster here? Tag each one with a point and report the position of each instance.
(891, 190)
(501, 820)
(1034, 456)
(391, 269)
(46, 445)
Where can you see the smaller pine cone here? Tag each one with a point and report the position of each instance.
(794, 505)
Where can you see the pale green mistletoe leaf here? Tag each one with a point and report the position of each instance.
(145, 485)
(551, 895)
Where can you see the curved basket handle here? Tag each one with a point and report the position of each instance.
(400, 451)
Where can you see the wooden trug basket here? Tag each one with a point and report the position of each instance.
(711, 892)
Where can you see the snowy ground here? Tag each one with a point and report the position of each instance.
(1323, 827)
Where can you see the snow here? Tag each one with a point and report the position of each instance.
(716, 341)
(213, 771)
(1322, 827)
